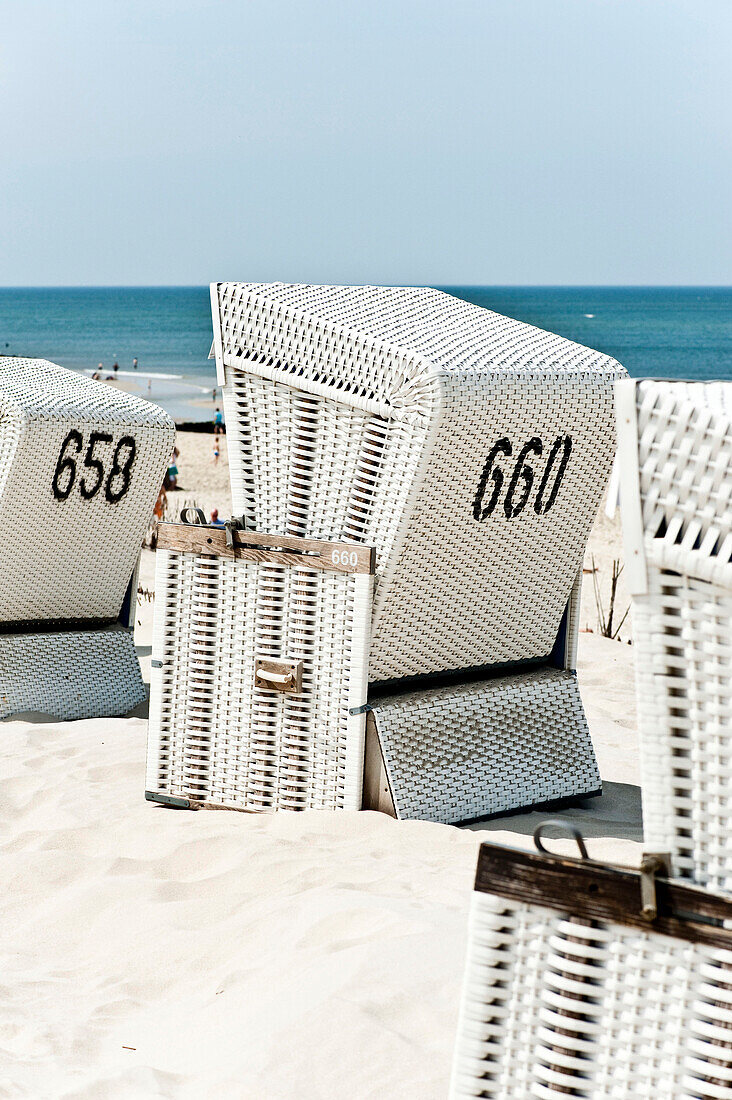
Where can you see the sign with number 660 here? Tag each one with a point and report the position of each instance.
(345, 557)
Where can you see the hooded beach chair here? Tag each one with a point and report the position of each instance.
(470, 451)
(675, 450)
(81, 465)
(593, 981)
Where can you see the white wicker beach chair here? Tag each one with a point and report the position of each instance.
(573, 987)
(471, 451)
(675, 446)
(81, 465)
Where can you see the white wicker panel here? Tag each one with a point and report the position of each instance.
(368, 413)
(457, 753)
(683, 638)
(382, 348)
(466, 593)
(85, 547)
(552, 1005)
(214, 737)
(70, 674)
(305, 464)
(682, 618)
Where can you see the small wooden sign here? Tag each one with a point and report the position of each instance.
(334, 557)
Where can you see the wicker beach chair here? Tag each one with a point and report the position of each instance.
(81, 465)
(675, 447)
(593, 981)
(470, 451)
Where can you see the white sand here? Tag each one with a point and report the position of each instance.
(150, 952)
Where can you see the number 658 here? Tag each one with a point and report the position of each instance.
(116, 480)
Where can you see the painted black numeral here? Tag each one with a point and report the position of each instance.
(120, 470)
(525, 473)
(503, 446)
(61, 485)
(92, 463)
(565, 442)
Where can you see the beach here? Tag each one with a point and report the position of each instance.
(155, 952)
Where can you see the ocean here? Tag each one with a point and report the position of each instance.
(665, 332)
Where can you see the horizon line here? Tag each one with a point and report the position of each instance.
(462, 286)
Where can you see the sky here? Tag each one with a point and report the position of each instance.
(351, 141)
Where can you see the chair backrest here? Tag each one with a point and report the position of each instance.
(81, 465)
(471, 450)
(675, 445)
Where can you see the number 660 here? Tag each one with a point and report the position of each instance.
(522, 478)
(345, 557)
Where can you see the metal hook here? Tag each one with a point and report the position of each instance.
(652, 864)
(200, 518)
(233, 525)
(567, 827)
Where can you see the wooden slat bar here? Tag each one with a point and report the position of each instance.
(595, 891)
(335, 557)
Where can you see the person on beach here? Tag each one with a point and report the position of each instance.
(215, 521)
(134, 364)
(160, 504)
(218, 421)
(161, 507)
(173, 470)
(115, 366)
(216, 454)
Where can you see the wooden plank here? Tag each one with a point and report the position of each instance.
(334, 557)
(594, 891)
(376, 793)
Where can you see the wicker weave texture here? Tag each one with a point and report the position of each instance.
(81, 465)
(552, 1005)
(682, 622)
(217, 739)
(70, 674)
(458, 753)
(394, 417)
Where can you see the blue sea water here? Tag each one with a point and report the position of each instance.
(667, 332)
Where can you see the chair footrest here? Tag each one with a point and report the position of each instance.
(70, 674)
(455, 754)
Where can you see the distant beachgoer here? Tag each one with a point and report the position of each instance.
(160, 504)
(95, 376)
(215, 521)
(134, 364)
(149, 385)
(216, 454)
(218, 421)
(115, 366)
(173, 469)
